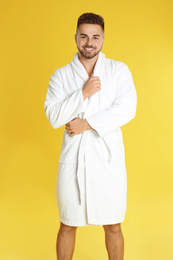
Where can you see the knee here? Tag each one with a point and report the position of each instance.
(66, 230)
(112, 229)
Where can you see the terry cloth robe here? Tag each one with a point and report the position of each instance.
(91, 180)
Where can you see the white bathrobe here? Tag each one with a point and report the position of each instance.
(91, 180)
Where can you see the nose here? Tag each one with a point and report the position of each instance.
(89, 42)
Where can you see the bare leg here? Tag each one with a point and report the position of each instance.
(65, 242)
(114, 241)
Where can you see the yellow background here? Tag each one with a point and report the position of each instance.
(37, 37)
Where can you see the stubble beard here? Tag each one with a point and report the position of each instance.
(89, 56)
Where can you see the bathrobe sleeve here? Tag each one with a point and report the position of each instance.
(59, 107)
(123, 108)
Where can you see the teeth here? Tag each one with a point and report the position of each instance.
(89, 49)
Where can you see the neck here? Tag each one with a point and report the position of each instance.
(88, 64)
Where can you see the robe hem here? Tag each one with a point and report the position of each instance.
(90, 224)
(73, 224)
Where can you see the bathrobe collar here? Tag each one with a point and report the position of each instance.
(81, 71)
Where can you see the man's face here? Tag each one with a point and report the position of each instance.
(89, 39)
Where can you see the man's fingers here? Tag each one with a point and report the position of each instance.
(69, 130)
(68, 124)
(95, 78)
(96, 81)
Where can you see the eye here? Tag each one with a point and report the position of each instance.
(96, 38)
(83, 37)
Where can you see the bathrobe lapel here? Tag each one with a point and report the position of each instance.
(79, 69)
(92, 103)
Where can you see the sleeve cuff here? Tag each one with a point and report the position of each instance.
(83, 102)
(91, 123)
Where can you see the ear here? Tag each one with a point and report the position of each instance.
(75, 38)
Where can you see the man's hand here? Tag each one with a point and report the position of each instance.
(92, 86)
(77, 126)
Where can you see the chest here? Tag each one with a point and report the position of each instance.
(103, 99)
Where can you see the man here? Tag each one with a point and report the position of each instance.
(93, 97)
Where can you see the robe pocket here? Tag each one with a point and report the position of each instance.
(112, 146)
(70, 148)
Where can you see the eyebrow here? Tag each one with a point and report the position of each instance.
(87, 35)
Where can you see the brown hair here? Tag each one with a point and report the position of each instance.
(90, 18)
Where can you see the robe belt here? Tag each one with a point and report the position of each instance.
(80, 167)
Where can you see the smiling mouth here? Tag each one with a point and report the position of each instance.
(89, 49)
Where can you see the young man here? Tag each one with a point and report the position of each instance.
(93, 97)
